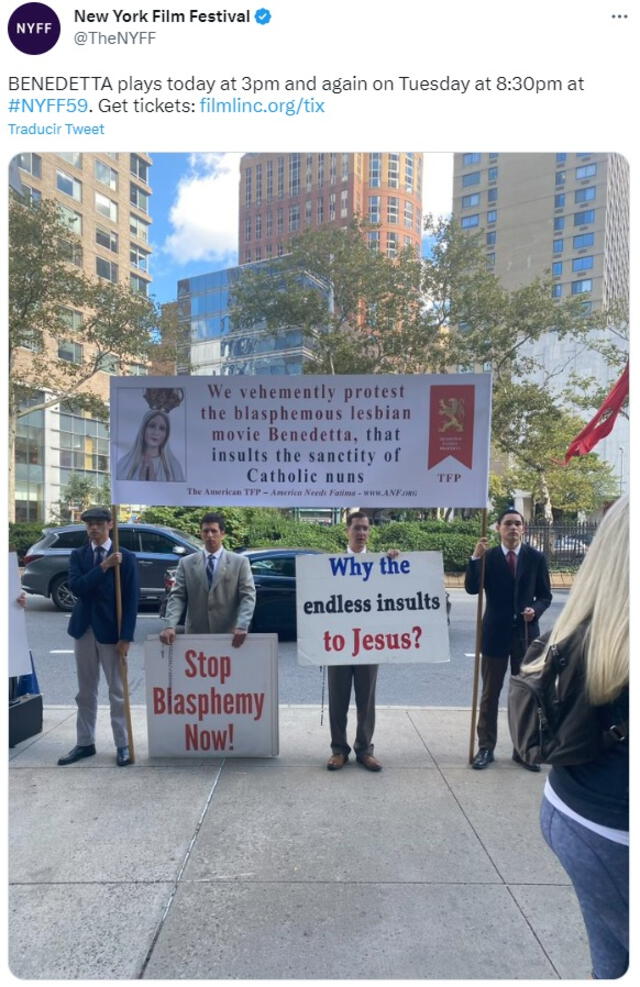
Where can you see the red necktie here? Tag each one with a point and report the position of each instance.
(512, 560)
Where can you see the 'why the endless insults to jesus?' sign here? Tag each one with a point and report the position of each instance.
(367, 609)
(415, 441)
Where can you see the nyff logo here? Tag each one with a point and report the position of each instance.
(34, 28)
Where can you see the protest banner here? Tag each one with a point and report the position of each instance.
(19, 654)
(371, 609)
(207, 699)
(384, 440)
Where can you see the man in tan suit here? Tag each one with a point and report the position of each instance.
(215, 586)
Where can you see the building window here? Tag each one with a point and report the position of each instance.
(269, 181)
(106, 175)
(32, 197)
(247, 228)
(332, 206)
(309, 173)
(492, 195)
(374, 240)
(582, 218)
(469, 201)
(71, 219)
(107, 269)
(308, 212)
(558, 202)
(561, 177)
(280, 221)
(258, 226)
(72, 319)
(393, 171)
(248, 187)
(578, 287)
(139, 168)
(71, 251)
(69, 185)
(467, 222)
(556, 268)
(582, 264)
(583, 240)
(138, 284)
(375, 169)
(408, 214)
(281, 178)
(471, 158)
(393, 206)
(258, 184)
(491, 238)
(74, 158)
(107, 239)
(586, 171)
(294, 174)
(558, 246)
(70, 352)
(473, 178)
(269, 222)
(138, 228)
(558, 224)
(491, 260)
(492, 216)
(345, 167)
(31, 163)
(408, 172)
(321, 171)
(561, 158)
(106, 207)
(344, 203)
(374, 208)
(585, 194)
(138, 197)
(392, 244)
(492, 174)
(138, 258)
(294, 218)
(556, 291)
(320, 211)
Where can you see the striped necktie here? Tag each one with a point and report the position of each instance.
(210, 567)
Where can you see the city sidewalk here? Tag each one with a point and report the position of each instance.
(269, 869)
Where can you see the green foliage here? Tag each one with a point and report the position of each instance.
(22, 535)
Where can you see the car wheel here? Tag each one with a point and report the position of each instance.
(61, 594)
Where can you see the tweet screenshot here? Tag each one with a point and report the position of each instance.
(317, 489)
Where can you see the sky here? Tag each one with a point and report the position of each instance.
(194, 208)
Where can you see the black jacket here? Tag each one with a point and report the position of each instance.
(507, 598)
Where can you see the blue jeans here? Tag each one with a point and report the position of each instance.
(599, 872)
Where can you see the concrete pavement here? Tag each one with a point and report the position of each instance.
(270, 869)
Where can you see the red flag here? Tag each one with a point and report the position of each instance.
(603, 420)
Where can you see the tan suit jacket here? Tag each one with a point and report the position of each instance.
(227, 606)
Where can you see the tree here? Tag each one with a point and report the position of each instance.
(368, 313)
(77, 495)
(64, 328)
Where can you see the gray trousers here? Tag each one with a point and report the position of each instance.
(90, 655)
(340, 678)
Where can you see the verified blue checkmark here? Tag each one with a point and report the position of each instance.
(262, 16)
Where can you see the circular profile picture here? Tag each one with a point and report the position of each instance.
(34, 28)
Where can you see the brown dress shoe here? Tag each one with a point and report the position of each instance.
(369, 762)
(337, 761)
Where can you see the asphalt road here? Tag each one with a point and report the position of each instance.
(446, 684)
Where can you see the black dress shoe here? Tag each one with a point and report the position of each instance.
(530, 767)
(482, 759)
(122, 757)
(77, 753)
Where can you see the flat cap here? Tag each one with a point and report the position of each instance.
(96, 514)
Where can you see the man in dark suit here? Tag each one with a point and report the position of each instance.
(518, 591)
(94, 627)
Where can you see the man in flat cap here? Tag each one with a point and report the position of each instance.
(94, 627)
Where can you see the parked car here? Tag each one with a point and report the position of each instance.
(569, 549)
(274, 574)
(46, 563)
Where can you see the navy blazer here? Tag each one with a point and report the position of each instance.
(96, 603)
(507, 597)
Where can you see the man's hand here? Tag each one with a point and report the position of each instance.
(22, 600)
(481, 548)
(238, 638)
(529, 614)
(122, 647)
(111, 560)
(393, 553)
(168, 635)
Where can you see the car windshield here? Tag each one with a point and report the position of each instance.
(185, 537)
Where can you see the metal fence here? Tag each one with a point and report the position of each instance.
(564, 545)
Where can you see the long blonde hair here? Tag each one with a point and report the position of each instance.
(600, 596)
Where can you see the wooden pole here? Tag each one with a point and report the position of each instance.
(115, 535)
(476, 664)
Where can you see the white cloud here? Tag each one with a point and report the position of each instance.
(204, 215)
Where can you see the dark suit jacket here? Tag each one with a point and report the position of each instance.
(507, 598)
(96, 603)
